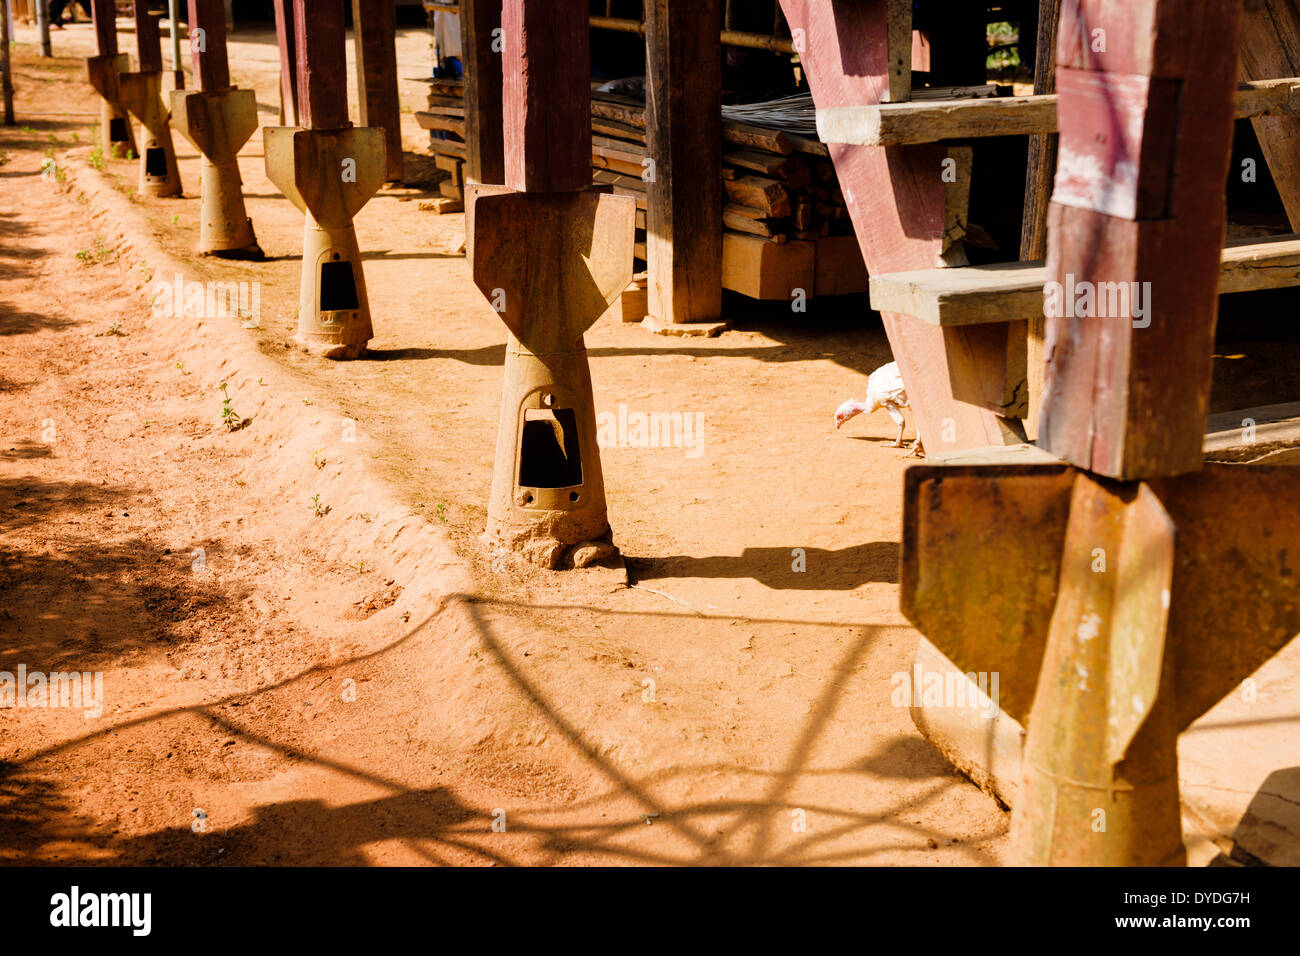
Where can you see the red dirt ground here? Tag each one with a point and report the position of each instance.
(368, 685)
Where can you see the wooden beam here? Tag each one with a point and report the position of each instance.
(374, 29)
(207, 27)
(1040, 169)
(485, 155)
(1146, 134)
(546, 101)
(148, 38)
(933, 121)
(103, 15)
(992, 294)
(1270, 47)
(284, 33)
(896, 199)
(321, 42)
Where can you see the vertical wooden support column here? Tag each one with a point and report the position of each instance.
(103, 15)
(374, 28)
(547, 100)
(1039, 171)
(148, 38)
(208, 45)
(1270, 48)
(684, 136)
(485, 150)
(1137, 212)
(288, 62)
(320, 39)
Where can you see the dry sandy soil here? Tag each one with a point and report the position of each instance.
(367, 684)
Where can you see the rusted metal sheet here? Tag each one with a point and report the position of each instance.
(218, 124)
(981, 563)
(551, 264)
(1103, 689)
(329, 175)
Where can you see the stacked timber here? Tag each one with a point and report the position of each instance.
(445, 120)
(785, 223)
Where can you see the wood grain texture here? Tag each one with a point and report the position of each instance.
(1040, 170)
(103, 15)
(211, 63)
(284, 34)
(684, 136)
(896, 198)
(148, 40)
(1122, 401)
(1270, 47)
(374, 30)
(546, 64)
(485, 147)
(321, 42)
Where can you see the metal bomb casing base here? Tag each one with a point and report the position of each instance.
(218, 124)
(550, 264)
(329, 174)
(142, 94)
(104, 72)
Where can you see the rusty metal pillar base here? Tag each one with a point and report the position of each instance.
(329, 175)
(218, 124)
(333, 309)
(550, 264)
(142, 94)
(548, 490)
(115, 136)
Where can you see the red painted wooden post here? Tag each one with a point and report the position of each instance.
(321, 42)
(148, 39)
(208, 45)
(103, 14)
(1138, 215)
(480, 27)
(374, 30)
(546, 55)
(284, 34)
(896, 198)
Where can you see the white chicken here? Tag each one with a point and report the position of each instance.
(885, 390)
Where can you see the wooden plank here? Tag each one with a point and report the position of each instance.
(683, 117)
(899, 50)
(288, 62)
(767, 270)
(896, 201)
(753, 227)
(211, 66)
(448, 147)
(148, 40)
(103, 17)
(450, 124)
(479, 21)
(996, 293)
(1270, 47)
(1040, 170)
(840, 269)
(623, 132)
(758, 137)
(546, 101)
(374, 28)
(792, 170)
(321, 42)
(929, 121)
(1146, 133)
(761, 193)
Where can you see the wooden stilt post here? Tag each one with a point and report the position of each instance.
(480, 23)
(328, 170)
(116, 138)
(1095, 589)
(6, 80)
(550, 254)
(218, 119)
(684, 172)
(288, 62)
(142, 94)
(1039, 171)
(374, 26)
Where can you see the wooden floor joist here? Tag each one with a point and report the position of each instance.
(1008, 291)
(932, 121)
